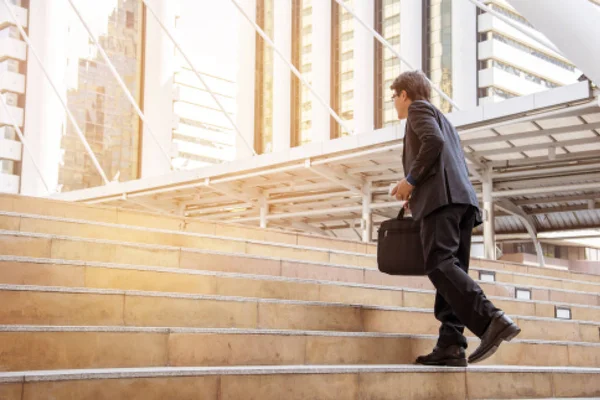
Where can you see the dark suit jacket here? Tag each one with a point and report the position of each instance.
(434, 158)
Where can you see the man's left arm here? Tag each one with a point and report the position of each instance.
(424, 124)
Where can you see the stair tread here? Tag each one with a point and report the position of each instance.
(249, 331)
(175, 295)
(234, 239)
(253, 256)
(277, 278)
(111, 373)
(168, 231)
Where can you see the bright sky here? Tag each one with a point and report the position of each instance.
(208, 30)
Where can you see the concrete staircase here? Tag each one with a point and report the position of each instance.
(100, 303)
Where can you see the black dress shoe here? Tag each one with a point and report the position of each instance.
(452, 356)
(501, 329)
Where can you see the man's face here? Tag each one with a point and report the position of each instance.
(401, 103)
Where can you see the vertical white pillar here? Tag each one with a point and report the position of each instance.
(264, 211)
(321, 69)
(160, 66)
(45, 117)
(282, 77)
(245, 78)
(489, 239)
(367, 216)
(411, 33)
(364, 53)
(464, 54)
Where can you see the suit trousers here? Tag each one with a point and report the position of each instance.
(460, 301)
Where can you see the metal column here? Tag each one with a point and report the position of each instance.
(367, 215)
(489, 235)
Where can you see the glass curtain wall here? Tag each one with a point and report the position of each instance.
(440, 50)
(107, 119)
(342, 74)
(264, 79)
(387, 65)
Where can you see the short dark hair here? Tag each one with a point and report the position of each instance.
(414, 83)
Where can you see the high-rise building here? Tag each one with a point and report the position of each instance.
(387, 65)
(108, 121)
(473, 56)
(265, 18)
(303, 45)
(510, 63)
(343, 61)
(202, 134)
(12, 87)
(438, 44)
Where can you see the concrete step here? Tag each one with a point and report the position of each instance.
(318, 249)
(59, 210)
(305, 382)
(554, 272)
(236, 256)
(46, 272)
(42, 305)
(86, 250)
(49, 347)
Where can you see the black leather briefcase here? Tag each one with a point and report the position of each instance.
(399, 248)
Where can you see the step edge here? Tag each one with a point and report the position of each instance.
(195, 234)
(156, 372)
(279, 278)
(239, 299)
(257, 332)
(253, 256)
(168, 231)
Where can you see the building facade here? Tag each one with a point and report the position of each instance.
(13, 53)
(109, 122)
(473, 56)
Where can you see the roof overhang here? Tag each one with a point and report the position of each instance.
(543, 151)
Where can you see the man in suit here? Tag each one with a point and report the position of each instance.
(442, 199)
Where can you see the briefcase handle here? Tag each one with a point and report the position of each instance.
(401, 213)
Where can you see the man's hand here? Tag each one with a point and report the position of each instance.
(403, 190)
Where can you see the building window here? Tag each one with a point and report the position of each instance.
(533, 52)
(440, 50)
(520, 73)
(523, 294)
(510, 14)
(562, 312)
(483, 92)
(494, 91)
(7, 167)
(264, 79)
(387, 65)
(342, 73)
(523, 74)
(592, 254)
(302, 57)
(8, 132)
(487, 276)
(130, 20)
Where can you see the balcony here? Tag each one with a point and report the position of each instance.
(9, 183)
(10, 149)
(6, 19)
